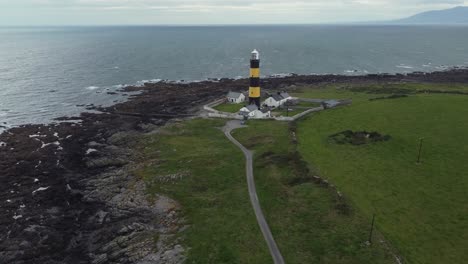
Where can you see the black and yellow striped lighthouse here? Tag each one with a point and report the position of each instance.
(254, 90)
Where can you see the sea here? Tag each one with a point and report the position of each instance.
(48, 72)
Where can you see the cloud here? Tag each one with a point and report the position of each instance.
(216, 11)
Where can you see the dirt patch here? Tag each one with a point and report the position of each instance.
(358, 137)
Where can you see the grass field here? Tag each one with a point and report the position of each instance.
(212, 191)
(422, 209)
(310, 223)
(230, 108)
(308, 104)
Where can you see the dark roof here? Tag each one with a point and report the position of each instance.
(233, 94)
(285, 95)
(277, 97)
(265, 110)
(251, 107)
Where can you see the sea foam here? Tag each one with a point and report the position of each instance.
(404, 66)
(92, 88)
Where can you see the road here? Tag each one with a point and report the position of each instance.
(274, 251)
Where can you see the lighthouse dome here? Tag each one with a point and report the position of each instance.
(255, 55)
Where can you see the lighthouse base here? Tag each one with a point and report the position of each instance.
(255, 101)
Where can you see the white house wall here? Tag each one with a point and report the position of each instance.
(271, 102)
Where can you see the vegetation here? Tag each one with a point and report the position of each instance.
(307, 104)
(310, 222)
(195, 164)
(229, 107)
(285, 112)
(421, 208)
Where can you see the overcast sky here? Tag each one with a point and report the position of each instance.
(124, 12)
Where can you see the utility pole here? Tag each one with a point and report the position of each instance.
(372, 229)
(420, 149)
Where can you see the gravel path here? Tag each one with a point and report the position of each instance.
(274, 251)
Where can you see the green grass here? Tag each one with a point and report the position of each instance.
(307, 104)
(212, 191)
(422, 209)
(229, 108)
(310, 223)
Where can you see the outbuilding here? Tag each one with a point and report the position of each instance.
(273, 101)
(252, 111)
(235, 97)
(277, 100)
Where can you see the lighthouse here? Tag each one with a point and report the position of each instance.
(254, 89)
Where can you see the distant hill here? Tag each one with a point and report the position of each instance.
(457, 15)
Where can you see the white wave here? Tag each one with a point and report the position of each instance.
(355, 72)
(37, 136)
(403, 66)
(40, 189)
(56, 143)
(442, 67)
(17, 216)
(92, 88)
(91, 150)
(280, 75)
(142, 83)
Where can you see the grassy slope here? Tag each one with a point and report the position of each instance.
(308, 104)
(213, 191)
(304, 217)
(230, 108)
(421, 208)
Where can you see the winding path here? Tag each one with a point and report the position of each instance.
(274, 251)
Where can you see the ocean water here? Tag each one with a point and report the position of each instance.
(46, 72)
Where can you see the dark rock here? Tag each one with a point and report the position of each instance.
(358, 138)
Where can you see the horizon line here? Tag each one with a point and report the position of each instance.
(373, 23)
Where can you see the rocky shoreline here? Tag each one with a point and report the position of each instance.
(67, 192)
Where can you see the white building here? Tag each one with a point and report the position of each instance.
(252, 111)
(235, 97)
(273, 101)
(277, 100)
